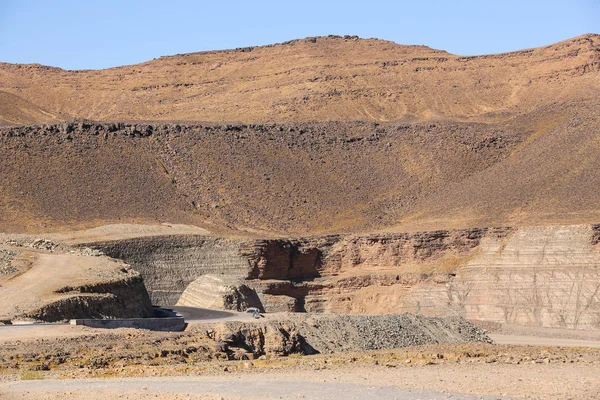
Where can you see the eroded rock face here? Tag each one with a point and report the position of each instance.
(126, 298)
(309, 274)
(169, 264)
(390, 263)
(541, 276)
(220, 291)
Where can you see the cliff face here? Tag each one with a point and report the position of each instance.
(125, 298)
(169, 264)
(540, 276)
(348, 271)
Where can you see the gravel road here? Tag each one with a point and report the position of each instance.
(542, 341)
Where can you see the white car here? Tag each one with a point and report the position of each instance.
(255, 312)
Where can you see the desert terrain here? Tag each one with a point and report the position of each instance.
(314, 79)
(410, 223)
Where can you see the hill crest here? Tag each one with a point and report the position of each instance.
(315, 79)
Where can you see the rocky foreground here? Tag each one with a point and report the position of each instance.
(131, 364)
(277, 336)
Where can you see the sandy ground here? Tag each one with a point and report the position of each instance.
(481, 372)
(252, 387)
(25, 333)
(527, 371)
(530, 336)
(50, 272)
(542, 341)
(31, 332)
(521, 330)
(124, 231)
(452, 381)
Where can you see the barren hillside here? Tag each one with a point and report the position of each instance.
(283, 179)
(307, 178)
(506, 139)
(16, 111)
(325, 78)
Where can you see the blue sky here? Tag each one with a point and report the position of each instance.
(99, 34)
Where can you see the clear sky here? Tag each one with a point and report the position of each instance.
(92, 34)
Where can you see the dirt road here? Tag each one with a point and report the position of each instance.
(199, 315)
(345, 381)
(542, 341)
(237, 387)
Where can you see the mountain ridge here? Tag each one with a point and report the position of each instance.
(313, 39)
(314, 79)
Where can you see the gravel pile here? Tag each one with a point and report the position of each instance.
(6, 257)
(329, 333)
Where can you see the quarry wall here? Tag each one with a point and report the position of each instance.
(48, 281)
(169, 264)
(539, 276)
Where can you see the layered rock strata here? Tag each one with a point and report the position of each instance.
(541, 276)
(124, 298)
(169, 264)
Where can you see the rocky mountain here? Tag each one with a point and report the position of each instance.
(324, 79)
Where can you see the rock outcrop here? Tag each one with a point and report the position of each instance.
(45, 281)
(169, 264)
(126, 298)
(540, 276)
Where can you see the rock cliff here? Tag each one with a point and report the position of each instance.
(541, 276)
(169, 264)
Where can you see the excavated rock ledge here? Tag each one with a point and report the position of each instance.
(125, 298)
(46, 281)
(170, 265)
